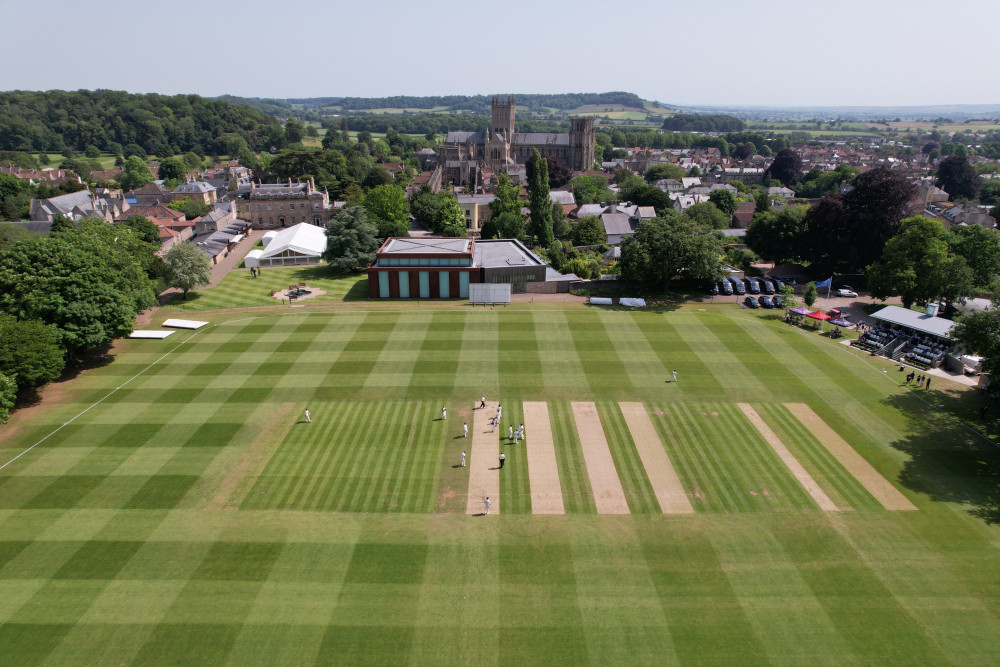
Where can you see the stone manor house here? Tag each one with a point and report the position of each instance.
(467, 157)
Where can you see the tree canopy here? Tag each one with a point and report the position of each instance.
(58, 120)
(786, 167)
(957, 177)
(979, 333)
(539, 202)
(79, 280)
(352, 241)
(389, 210)
(135, 174)
(846, 233)
(980, 247)
(917, 266)
(191, 208)
(724, 201)
(774, 235)
(29, 351)
(591, 189)
(663, 248)
(187, 267)
(588, 231)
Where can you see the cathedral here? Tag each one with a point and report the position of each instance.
(468, 158)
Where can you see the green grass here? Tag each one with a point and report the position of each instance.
(179, 511)
(239, 290)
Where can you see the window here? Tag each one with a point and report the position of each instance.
(302, 207)
(268, 207)
(315, 205)
(280, 207)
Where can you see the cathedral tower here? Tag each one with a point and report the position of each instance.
(503, 118)
(581, 144)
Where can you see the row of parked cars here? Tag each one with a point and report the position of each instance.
(776, 301)
(733, 285)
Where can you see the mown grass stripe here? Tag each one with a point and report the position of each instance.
(598, 358)
(828, 470)
(519, 368)
(708, 455)
(638, 491)
(515, 485)
(719, 358)
(578, 497)
(675, 442)
(675, 354)
(561, 372)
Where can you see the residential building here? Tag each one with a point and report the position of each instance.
(78, 205)
(270, 206)
(199, 191)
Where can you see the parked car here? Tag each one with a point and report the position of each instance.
(846, 292)
(765, 302)
(738, 285)
(752, 285)
(767, 286)
(726, 287)
(712, 289)
(778, 284)
(750, 302)
(778, 300)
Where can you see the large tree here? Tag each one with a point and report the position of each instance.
(774, 235)
(187, 267)
(661, 172)
(86, 285)
(507, 225)
(981, 249)
(135, 174)
(918, 267)
(506, 197)
(591, 189)
(29, 351)
(8, 397)
(389, 210)
(588, 231)
(173, 169)
(724, 201)
(957, 177)
(786, 167)
(708, 215)
(539, 202)
(191, 208)
(846, 233)
(979, 333)
(663, 248)
(352, 240)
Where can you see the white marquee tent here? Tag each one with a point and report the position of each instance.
(302, 244)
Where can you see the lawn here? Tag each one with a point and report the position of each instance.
(175, 508)
(239, 290)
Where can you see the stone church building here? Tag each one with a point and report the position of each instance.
(467, 157)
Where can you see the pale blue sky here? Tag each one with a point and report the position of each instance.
(726, 52)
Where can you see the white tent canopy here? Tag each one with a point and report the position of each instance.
(302, 244)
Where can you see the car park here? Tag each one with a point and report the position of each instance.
(750, 302)
(738, 285)
(766, 286)
(766, 302)
(712, 289)
(778, 284)
(752, 285)
(846, 293)
(726, 287)
(778, 300)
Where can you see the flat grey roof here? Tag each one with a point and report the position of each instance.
(936, 326)
(431, 246)
(503, 252)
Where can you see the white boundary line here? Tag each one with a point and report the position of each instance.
(112, 392)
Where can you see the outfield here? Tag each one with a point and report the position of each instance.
(173, 508)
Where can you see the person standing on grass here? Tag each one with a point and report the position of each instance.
(520, 430)
(486, 501)
(465, 430)
(463, 459)
(482, 402)
(444, 413)
(502, 459)
(927, 382)
(308, 420)
(673, 376)
(510, 432)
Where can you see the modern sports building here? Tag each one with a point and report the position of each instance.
(443, 268)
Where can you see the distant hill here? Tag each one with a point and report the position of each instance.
(853, 113)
